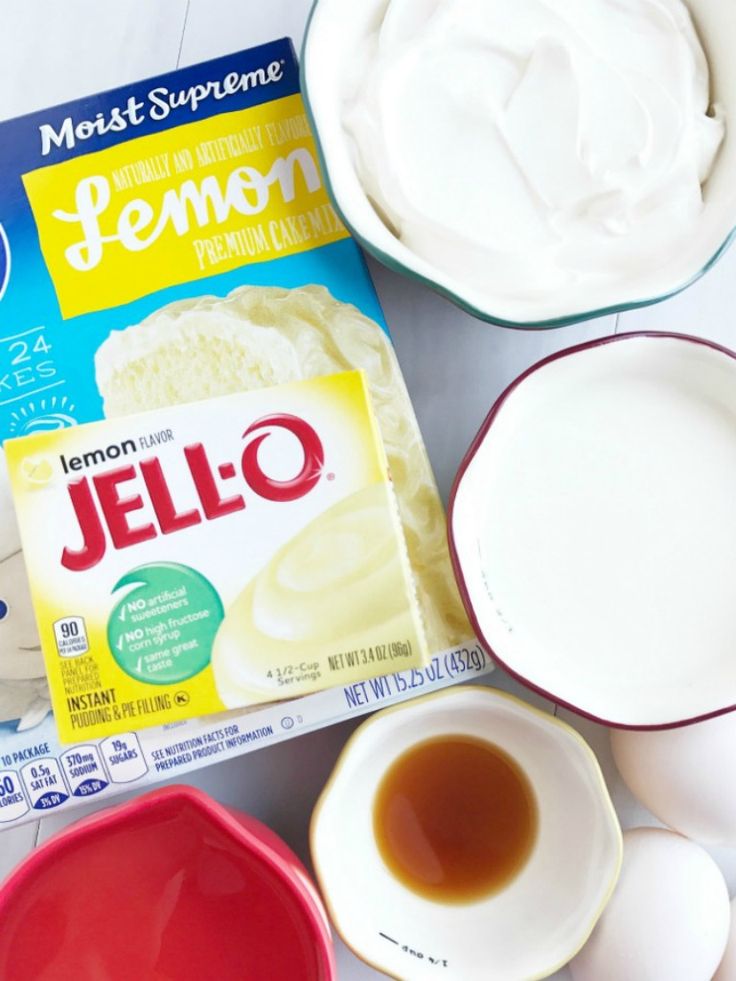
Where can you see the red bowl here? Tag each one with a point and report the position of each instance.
(171, 886)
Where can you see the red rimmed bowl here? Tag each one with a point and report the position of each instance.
(593, 529)
(171, 886)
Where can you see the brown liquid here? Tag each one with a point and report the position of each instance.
(455, 819)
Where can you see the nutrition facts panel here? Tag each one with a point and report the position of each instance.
(455, 368)
(39, 780)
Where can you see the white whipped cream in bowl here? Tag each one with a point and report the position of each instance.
(540, 162)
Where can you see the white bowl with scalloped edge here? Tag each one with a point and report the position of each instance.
(540, 919)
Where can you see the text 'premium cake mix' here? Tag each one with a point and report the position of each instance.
(171, 271)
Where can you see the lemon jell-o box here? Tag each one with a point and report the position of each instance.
(214, 555)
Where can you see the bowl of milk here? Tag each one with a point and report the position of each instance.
(593, 533)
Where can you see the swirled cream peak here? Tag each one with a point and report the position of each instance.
(541, 155)
(298, 605)
(260, 336)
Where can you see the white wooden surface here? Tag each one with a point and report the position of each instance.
(455, 366)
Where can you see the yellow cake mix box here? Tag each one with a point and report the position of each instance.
(214, 555)
(164, 245)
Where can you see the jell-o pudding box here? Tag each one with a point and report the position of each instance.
(214, 555)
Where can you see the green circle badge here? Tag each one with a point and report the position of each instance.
(162, 631)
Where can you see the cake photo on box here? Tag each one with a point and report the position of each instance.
(261, 336)
(24, 694)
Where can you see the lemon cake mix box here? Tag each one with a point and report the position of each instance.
(199, 407)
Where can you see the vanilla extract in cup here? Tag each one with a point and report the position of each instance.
(427, 769)
(455, 819)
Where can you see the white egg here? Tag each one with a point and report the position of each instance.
(727, 970)
(668, 919)
(686, 776)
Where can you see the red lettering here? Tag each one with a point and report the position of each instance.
(116, 508)
(213, 505)
(304, 481)
(168, 518)
(93, 534)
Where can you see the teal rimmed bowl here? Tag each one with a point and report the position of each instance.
(334, 28)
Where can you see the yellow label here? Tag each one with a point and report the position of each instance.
(214, 555)
(179, 205)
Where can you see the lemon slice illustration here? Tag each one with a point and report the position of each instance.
(36, 470)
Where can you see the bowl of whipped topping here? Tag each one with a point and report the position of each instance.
(539, 162)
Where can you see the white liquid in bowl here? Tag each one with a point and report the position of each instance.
(604, 566)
